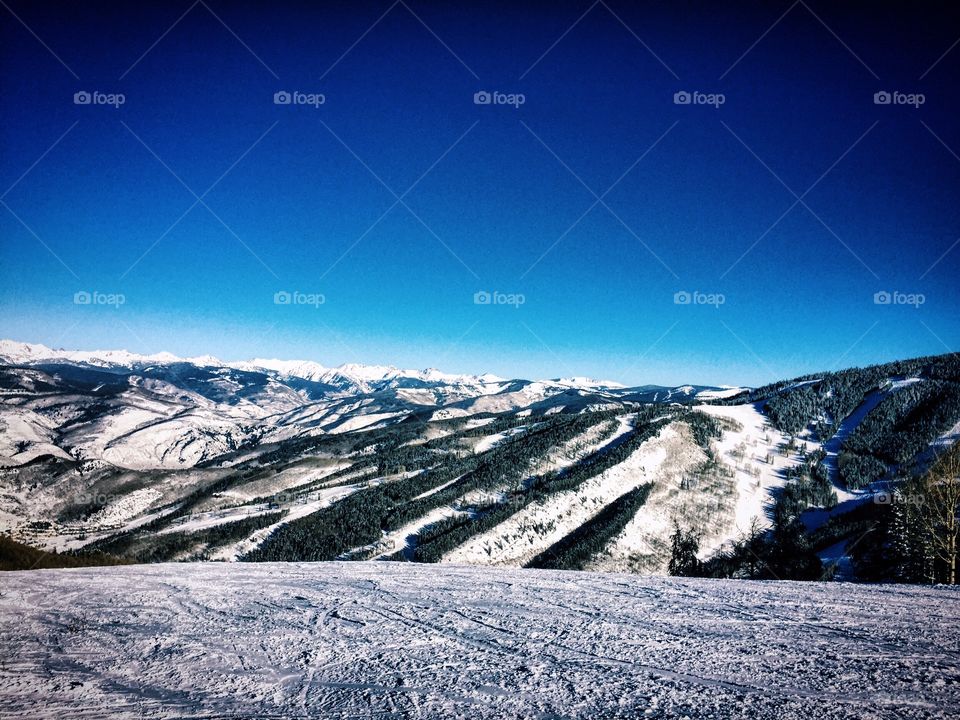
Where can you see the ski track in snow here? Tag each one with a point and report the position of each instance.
(397, 640)
(834, 445)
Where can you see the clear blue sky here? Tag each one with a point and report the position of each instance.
(304, 185)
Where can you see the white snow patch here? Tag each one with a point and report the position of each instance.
(403, 640)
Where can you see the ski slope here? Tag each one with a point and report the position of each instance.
(396, 640)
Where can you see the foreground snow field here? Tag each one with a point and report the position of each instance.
(395, 640)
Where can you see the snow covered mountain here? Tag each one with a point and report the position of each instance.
(351, 376)
(159, 457)
(163, 412)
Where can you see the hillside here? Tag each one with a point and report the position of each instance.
(161, 458)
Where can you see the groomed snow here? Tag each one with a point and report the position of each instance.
(397, 640)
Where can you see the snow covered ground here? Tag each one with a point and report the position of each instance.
(397, 640)
(722, 506)
(595, 438)
(405, 538)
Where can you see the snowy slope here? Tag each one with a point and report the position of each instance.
(399, 640)
(536, 527)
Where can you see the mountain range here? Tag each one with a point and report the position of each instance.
(156, 457)
(113, 405)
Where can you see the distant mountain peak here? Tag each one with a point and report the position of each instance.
(348, 375)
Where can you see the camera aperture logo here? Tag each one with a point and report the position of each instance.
(896, 97)
(114, 100)
(898, 498)
(683, 97)
(285, 297)
(95, 297)
(483, 297)
(483, 97)
(683, 297)
(896, 297)
(315, 100)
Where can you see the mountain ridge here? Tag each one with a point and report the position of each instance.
(359, 374)
(152, 458)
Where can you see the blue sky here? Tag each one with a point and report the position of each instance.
(701, 199)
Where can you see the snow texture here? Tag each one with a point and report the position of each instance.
(398, 640)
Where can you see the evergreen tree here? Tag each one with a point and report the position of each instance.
(755, 548)
(911, 551)
(790, 555)
(684, 546)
